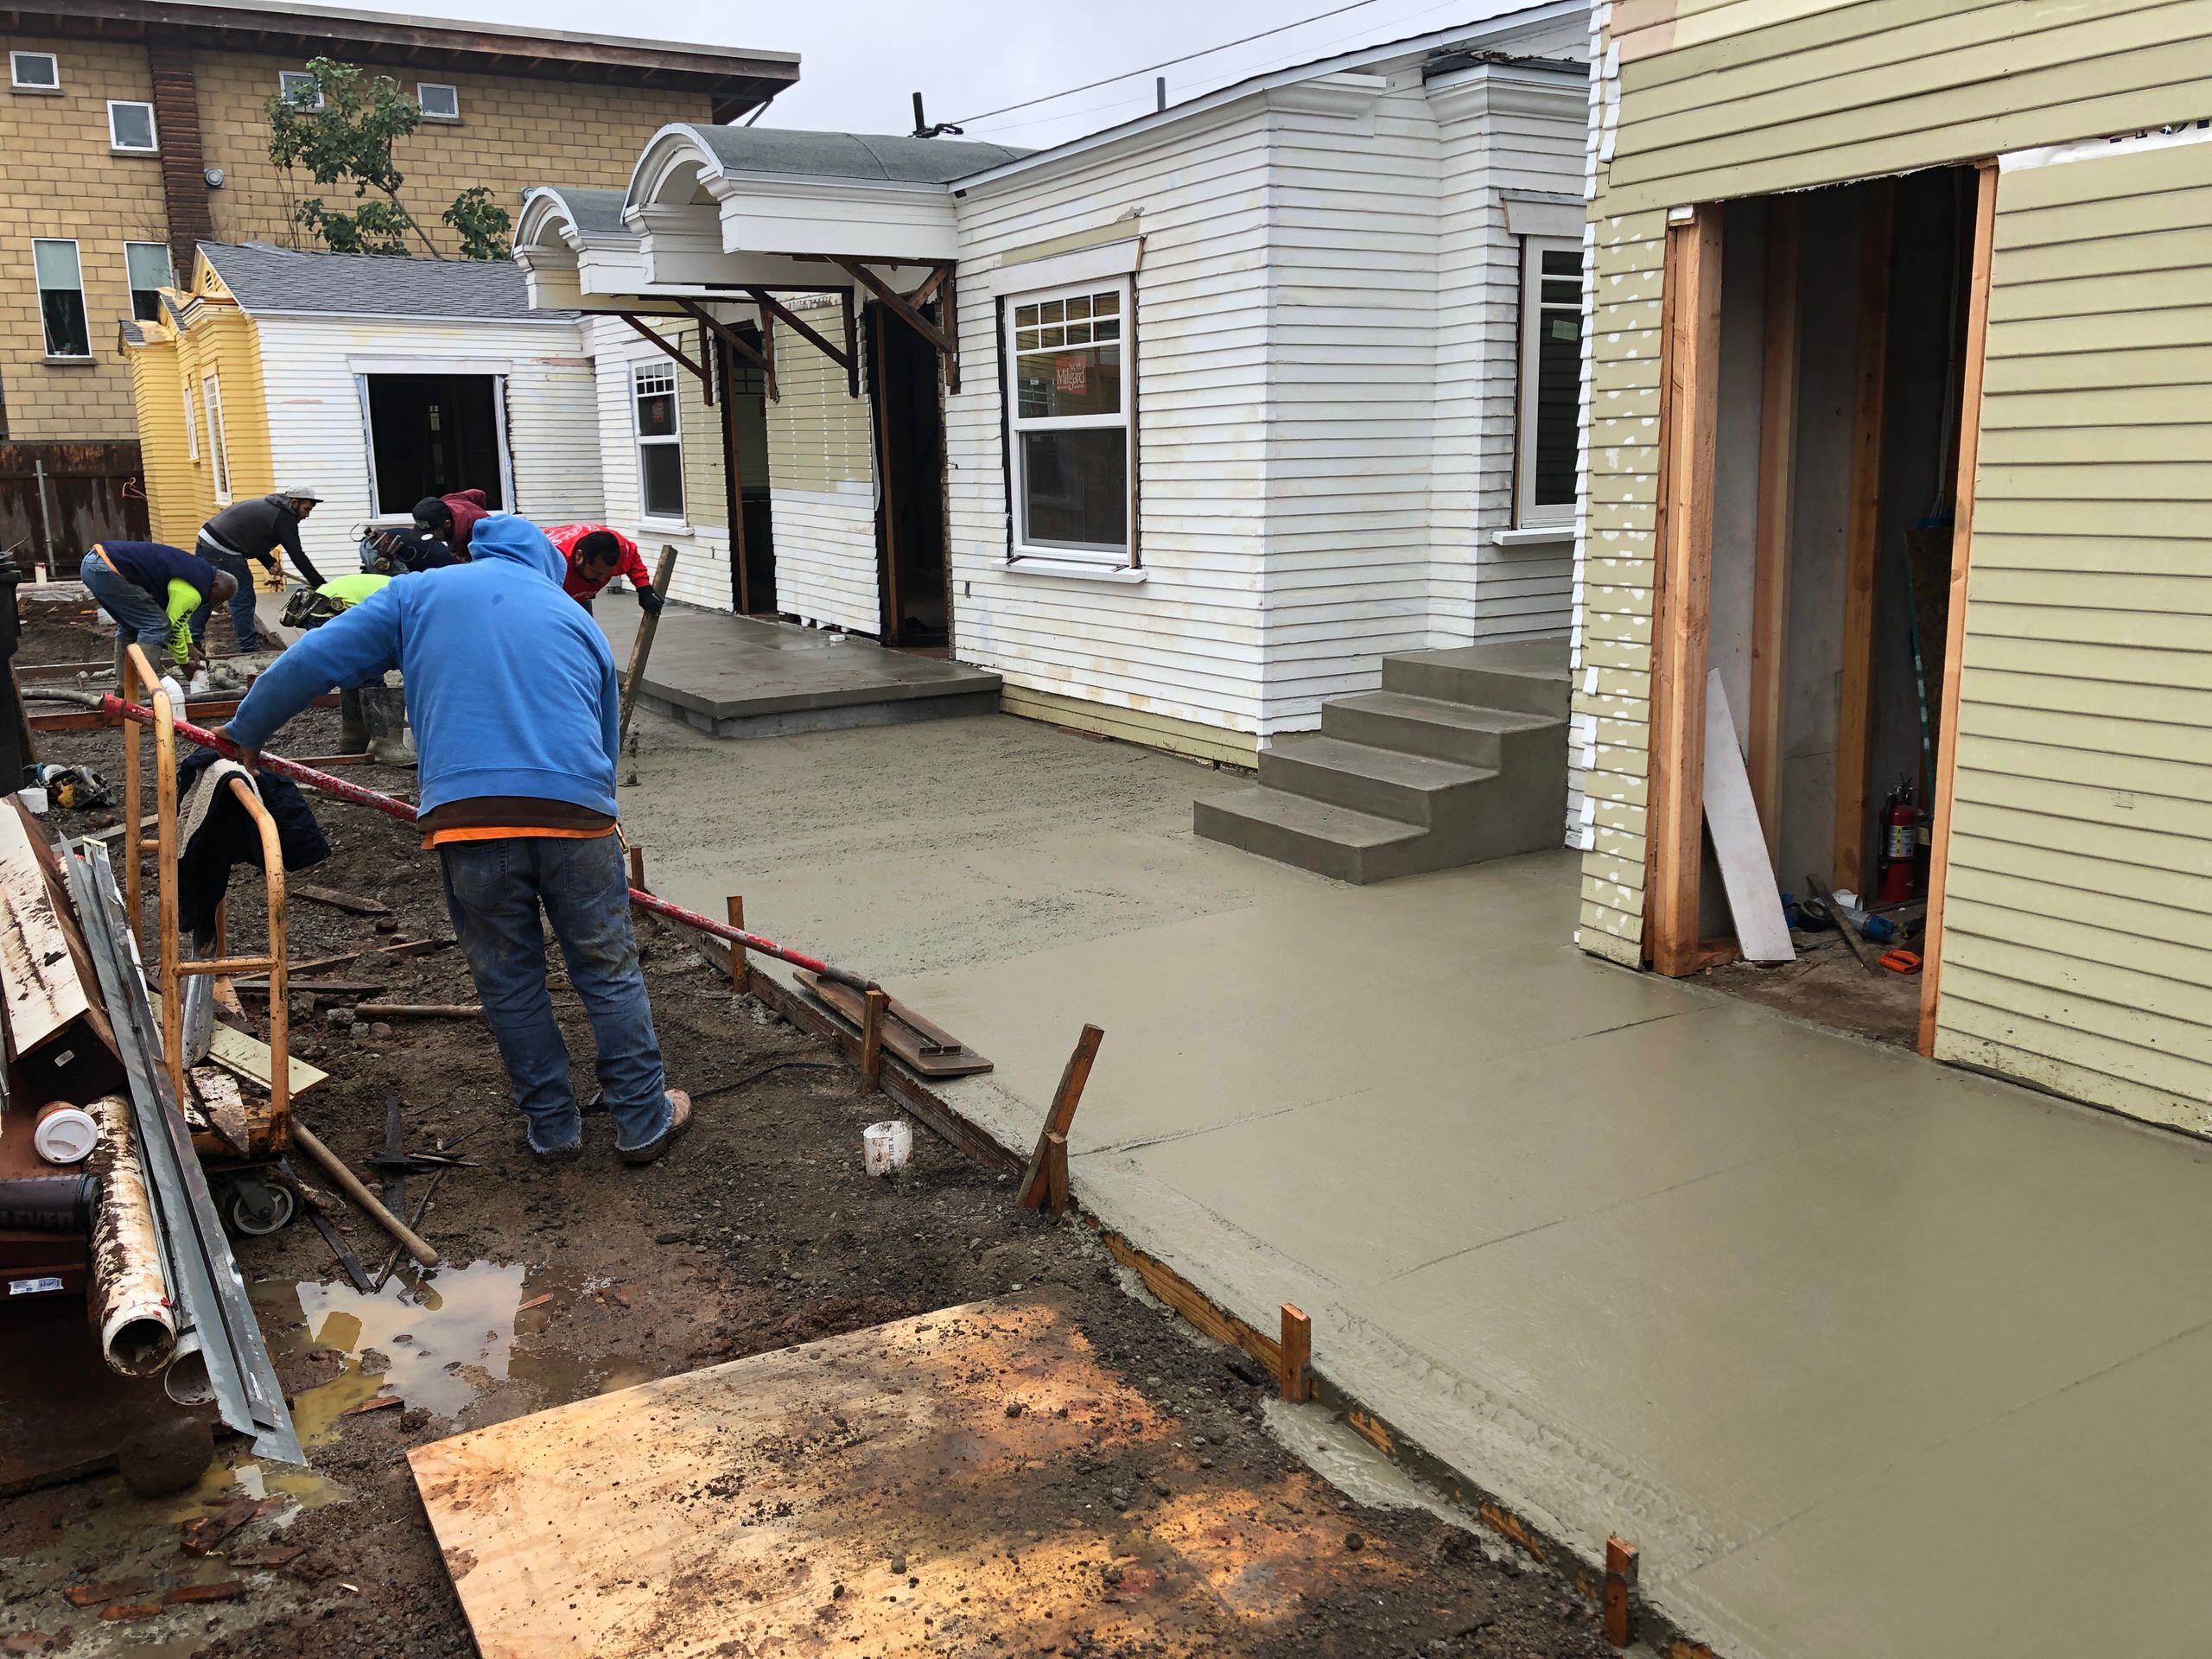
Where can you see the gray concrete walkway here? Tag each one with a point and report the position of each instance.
(1871, 1357)
(736, 676)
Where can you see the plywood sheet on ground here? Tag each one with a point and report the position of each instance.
(938, 1485)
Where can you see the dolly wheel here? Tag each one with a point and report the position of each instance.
(258, 1207)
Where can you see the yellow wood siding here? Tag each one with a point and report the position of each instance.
(216, 338)
(1762, 95)
(2077, 936)
(164, 448)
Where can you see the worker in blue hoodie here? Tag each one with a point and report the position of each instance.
(513, 693)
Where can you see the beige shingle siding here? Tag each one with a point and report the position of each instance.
(2078, 919)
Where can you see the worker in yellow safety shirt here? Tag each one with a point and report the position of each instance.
(151, 590)
(371, 718)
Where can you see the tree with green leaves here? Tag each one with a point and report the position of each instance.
(341, 132)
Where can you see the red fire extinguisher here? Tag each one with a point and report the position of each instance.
(1900, 845)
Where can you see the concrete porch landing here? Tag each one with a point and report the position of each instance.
(734, 676)
(1873, 1359)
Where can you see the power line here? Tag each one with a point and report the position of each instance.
(1166, 63)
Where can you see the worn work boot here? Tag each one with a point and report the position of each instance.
(679, 1119)
(385, 709)
(353, 726)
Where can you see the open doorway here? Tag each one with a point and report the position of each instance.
(745, 478)
(911, 572)
(433, 435)
(1819, 348)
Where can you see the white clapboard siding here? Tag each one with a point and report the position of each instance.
(1186, 643)
(318, 437)
(825, 557)
(703, 562)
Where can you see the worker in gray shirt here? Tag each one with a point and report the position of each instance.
(256, 530)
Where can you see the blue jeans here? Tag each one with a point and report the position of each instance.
(137, 618)
(494, 890)
(244, 627)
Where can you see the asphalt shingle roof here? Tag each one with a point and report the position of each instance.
(594, 212)
(262, 277)
(895, 159)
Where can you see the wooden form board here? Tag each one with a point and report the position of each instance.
(1862, 540)
(932, 1486)
(1954, 639)
(248, 1057)
(1693, 406)
(1733, 815)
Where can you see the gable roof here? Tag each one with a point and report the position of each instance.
(277, 281)
(882, 157)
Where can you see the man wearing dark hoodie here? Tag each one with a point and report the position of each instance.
(515, 702)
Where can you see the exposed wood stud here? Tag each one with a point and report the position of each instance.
(872, 1041)
(1677, 816)
(1862, 540)
(768, 355)
(947, 343)
(1955, 626)
(1297, 1354)
(1620, 1591)
(1777, 479)
(1061, 1115)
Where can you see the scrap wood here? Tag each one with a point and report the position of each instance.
(316, 987)
(403, 948)
(535, 1302)
(201, 1535)
(336, 900)
(420, 1010)
(377, 1404)
(88, 1595)
(350, 1184)
(227, 1590)
(1035, 1187)
(267, 1556)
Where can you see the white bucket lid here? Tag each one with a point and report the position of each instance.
(65, 1135)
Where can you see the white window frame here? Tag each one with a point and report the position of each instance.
(284, 80)
(218, 437)
(1125, 558)
(153, 128)
(77, 253)
(16, 74)
(430, 114)
(168, 269)
(1526, 514)
(658, 367)
(191, 426)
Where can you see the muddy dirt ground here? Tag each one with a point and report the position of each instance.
(760, 1231)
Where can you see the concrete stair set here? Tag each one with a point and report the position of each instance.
(1460, 757)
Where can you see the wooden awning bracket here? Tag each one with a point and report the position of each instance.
(706, 379)
(940, 283)
(847, 359)
(759, 357)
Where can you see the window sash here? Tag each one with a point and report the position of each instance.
(150, 271)
(1537, 311)
(16, 60)
(191, 425)
(657, 380)
(218, 448)
(449, 100)
(153, 144)
(290, 82)
(1053, 313)
(61, 276)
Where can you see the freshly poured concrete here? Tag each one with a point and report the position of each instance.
(1871, 1357)
(735, 676)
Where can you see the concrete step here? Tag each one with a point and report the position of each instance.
(1527, 678)
(1493, 738)
(1411, 788)
(1332, 841)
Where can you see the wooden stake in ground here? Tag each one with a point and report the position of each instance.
(872, 1041)
(1297, 1354)
(648, 625)
(1620, 1587)
(1035, 1181)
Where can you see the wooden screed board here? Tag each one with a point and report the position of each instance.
(936, 1485)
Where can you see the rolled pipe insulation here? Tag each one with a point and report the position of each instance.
(130, 1298)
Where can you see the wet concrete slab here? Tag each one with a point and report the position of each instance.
(739, 677)
(1869, 1355)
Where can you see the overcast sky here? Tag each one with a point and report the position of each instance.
(861, 59)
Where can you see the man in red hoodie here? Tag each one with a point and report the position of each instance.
(596, 555)
(451, 518)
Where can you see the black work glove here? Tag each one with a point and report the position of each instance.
(649, 601)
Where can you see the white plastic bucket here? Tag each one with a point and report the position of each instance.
(66, 1133)
(885, 1147)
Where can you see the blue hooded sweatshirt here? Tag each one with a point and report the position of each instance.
(511, 687)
